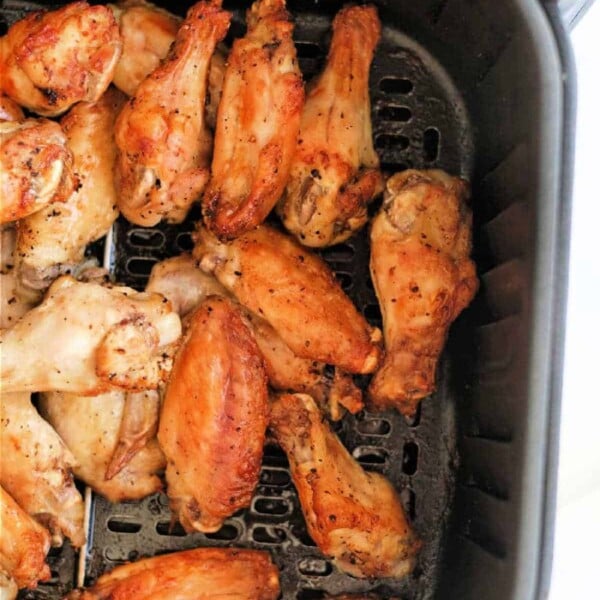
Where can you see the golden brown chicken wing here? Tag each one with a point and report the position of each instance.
(52, 241)
(423, 277)
(35, 167)
(36, 469)
(257, 123)
(214, 417)
(296, 292)
(353, 516)
(164, 144)
(335, 170)
(51, 60)
(9, 109)
(198, 574)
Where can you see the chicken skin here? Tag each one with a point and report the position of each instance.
(214, 417)
(9, 109)
(52, 241)
(164, 144)
(198, 574)
(335, 171)
(51, 60)
(35, 167)
(353, 516)
(296, 292)
(88, 339)
(423, 277)
(257, 123)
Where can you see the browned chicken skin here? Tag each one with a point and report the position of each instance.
(164, 144)
(9, 109)
(214, 417)
(198, 574)
(51, 60)
(257, 123)
(335, 171)
(353, 516)
(423, 277)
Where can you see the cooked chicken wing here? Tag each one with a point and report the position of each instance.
(51, 60)
(90, 428)
(423, 277)
(53, 240)
(164, 144)
(296, 292)
(8, 587)
(24, 544)
(214, 417)
(36, 469)
(9, 109)
(335, 171)
(35, 167)
(354, 517)
(198, 574)
(88, 339)
(257, 123)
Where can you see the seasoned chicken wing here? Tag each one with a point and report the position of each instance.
(198, 574)
(9, 109)
(52, 241)
(164, 144)
(423, 277)
(335, 170)
(296, 292)
(257, 123)
(90, 427)
(214, 416)
(88, 339)
(51, 60)
(35, 167)
(354, 517)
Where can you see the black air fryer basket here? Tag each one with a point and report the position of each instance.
(482, 89)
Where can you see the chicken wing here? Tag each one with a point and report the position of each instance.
(214, 417)
(36, 470)
(296, 292)
(90, 428)
(423, 277)
(257, 123)
(335, 171)
(164, 144)
(198, 574)
(35, 167)
(51, 60)
(88, 339)
(9, 109)
(53, 240)
(353, 516)
(24, 544)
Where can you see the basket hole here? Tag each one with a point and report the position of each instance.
(370, 455)
(308, 50)
(372, 312)
(184, 241)
(431, 142)
(306, 594)
(410, 457)
(339, 253)
(314, 567)
(394, 113)
(345, 280)
(146, 238)
(393, 167)
(274, 477)
(271, 506)
(396, 85)
(228, 532)
(407, 497)
(167, 528)
(122, 525)
(391, 141)
(374, 427)
(268, 535)
(140, 267)
(274, 456)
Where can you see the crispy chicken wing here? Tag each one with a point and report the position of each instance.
(335, 170)
(90, 427)
(53, 240)
(35, 167)
(214, 417)
(9, 109)
(88, 339)
(36, 469)
(51, 60)
(423, 277)
(296, 292)
(198, 574)
(257, 123)
(353, 516)
(164, 144)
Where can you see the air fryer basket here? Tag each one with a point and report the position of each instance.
(473, 88)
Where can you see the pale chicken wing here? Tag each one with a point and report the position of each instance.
(423, 277)
(335, 172)
(164, 144)
(296, 292)
(214, 417)
(257, 123)
(9, 109)
(353, 516)
(198, 574)
(51, 60)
